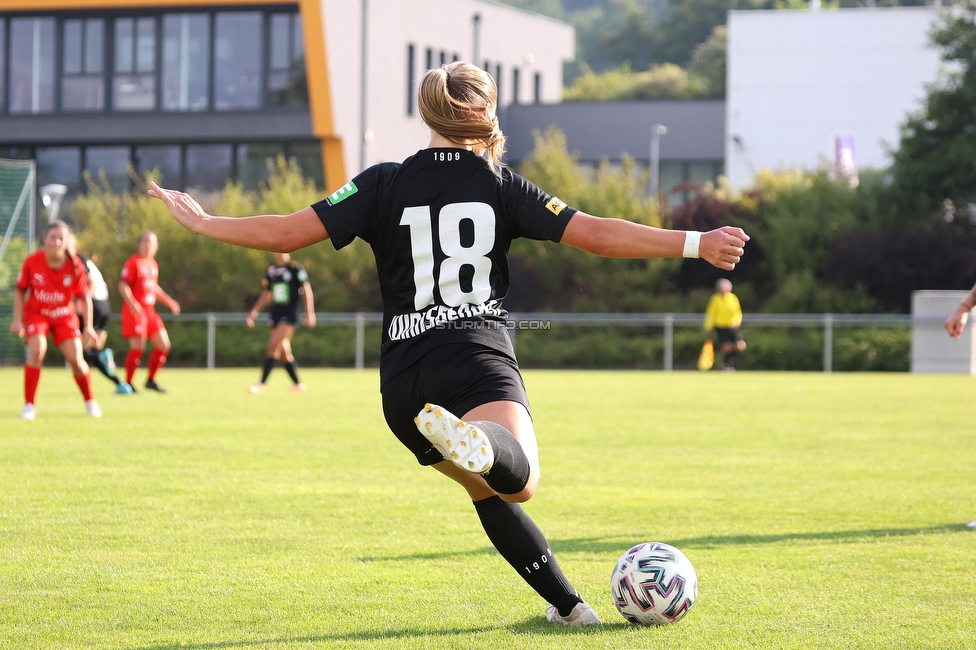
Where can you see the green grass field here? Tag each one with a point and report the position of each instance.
(820, 511)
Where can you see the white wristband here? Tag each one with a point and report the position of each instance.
(692, 240)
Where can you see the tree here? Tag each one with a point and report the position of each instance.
(934, 167)
(708, 61)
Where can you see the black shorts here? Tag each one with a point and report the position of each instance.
(727, 334)
(100, 313)
(287, 317)
(457, 376)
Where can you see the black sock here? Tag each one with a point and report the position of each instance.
(91, 358)
(509, 472)
(292, 371)
(267, 368)
(523, 545)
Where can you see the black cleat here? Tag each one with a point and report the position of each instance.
(152, 385)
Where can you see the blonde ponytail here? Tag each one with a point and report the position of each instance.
(458, 101)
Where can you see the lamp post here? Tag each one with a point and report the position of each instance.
(51, 196)
(657, 130)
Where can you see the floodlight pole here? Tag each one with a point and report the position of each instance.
(657, 130)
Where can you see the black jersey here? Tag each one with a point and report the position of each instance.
(440, 225)
(284, 282)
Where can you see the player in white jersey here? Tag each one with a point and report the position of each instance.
(440, 225)
(96, 354)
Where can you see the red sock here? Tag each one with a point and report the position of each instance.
(31, 376)
(132, 361)
(84, 383)
(157, 359)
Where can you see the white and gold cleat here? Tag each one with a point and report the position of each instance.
(581, 615)
(460, 442)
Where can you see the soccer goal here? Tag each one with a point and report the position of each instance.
(18, 189)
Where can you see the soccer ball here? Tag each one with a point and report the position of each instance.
(654, 584)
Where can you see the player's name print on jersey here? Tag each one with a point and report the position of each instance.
(407, 326)
(342, 193)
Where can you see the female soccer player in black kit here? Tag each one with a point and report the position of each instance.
(283, 283)
(440, 224)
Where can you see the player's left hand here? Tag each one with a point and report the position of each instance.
(310, 321)
(175, 308)
(723, 247)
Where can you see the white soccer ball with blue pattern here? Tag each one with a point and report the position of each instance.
(654, 584)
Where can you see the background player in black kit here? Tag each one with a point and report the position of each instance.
(440, 225)
(283, 282)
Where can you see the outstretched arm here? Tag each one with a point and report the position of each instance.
(269, 232)
(619, 238)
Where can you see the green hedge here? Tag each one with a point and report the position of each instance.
(769, 348)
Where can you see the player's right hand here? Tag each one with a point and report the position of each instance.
(249, 321)
(957, 322)
(181, 205)
(17, 329)
(723, 247)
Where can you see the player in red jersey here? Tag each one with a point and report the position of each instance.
(139, 286)
(49, 283)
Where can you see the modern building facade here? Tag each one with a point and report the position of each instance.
(690, 151)
(205, 90)
(798, 80)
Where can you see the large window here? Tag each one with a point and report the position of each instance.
(286, 65)
(237, 65)
(108, 166)
(178, 61)
(252, 163)
(186, 62)
(194, 167)
(134, 83)
(165, 160)
(208, 166)
(59, 165)
(82, 67)
(31, 65)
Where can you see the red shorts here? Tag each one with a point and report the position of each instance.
(142, 325)
(62, 329)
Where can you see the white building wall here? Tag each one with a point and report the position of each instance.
(509, 37)
(796, 78)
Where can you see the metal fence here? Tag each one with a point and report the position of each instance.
(519, 321)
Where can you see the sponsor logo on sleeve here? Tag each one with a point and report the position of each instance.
(555, 206)
(342, 193)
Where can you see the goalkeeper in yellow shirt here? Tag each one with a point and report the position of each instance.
(724, 315)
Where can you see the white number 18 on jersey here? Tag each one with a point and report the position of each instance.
(418, 219)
